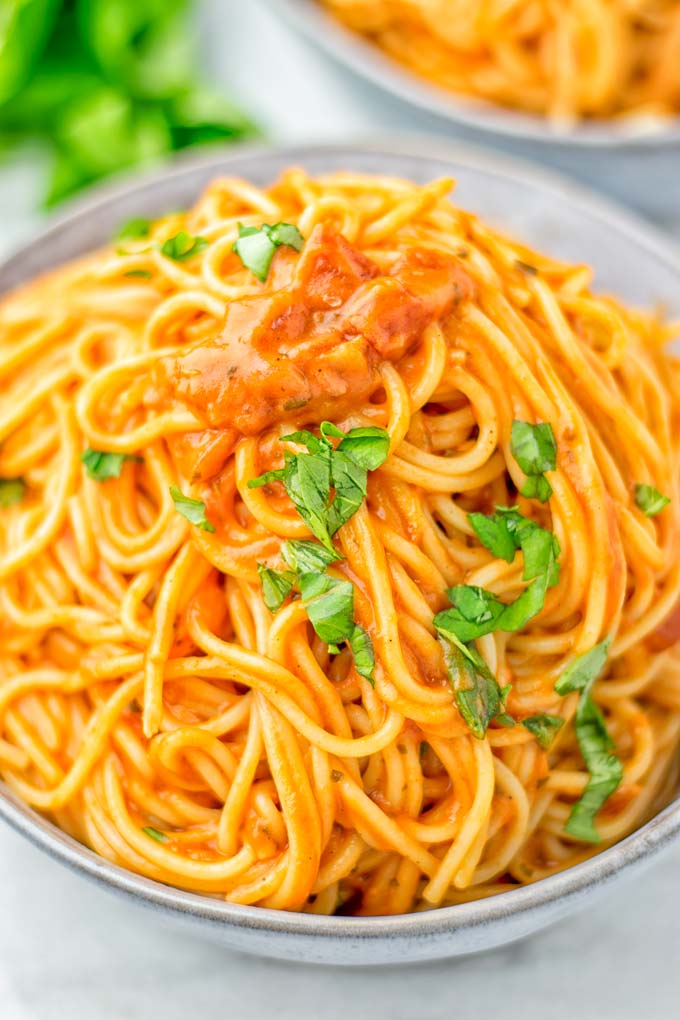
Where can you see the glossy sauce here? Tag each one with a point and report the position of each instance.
(308, 348)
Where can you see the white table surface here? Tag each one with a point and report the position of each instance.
(70, 951)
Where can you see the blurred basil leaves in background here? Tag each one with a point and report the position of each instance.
(109, 84)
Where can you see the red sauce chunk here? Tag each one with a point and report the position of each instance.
(311, 346)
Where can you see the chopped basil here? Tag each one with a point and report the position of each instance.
(650, 500)
(330, 606)
(478, 695)
(362, 650)
(11, 491)
(256, 245)
(535, 449)
(584, 670)
(276, 586)
(543, 727)
(136, 228)
(142, 274)
(306, 556)
(101, 465)
(506, 531)
(192, 509)
(152, 833)
(308, 478)
(183, 246)
(605, 768)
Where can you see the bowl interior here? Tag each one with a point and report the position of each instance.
(368, 61)
(630, 260)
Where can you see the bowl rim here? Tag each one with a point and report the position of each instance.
(367, 61)
(538, 899)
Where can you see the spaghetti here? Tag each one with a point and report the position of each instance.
(340, 548)
(569, 60)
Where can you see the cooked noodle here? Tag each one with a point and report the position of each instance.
(567, 59)
(150, 703)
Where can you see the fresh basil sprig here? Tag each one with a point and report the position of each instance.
(534, 447)
(256, 245)
(605, 768)
(308, 478)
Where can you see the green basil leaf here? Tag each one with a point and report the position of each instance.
(192, 509)
(604, 767)
(330, 606)
(349, 481)
(276, 586)
(100, 465)
(24, 31)
(183, 246)
(650, 500)
(543, 727)
(493, 532)
(11, 491)
(537, 487)
(152, 833)
(362, 650)
(138, 227)
(306, 556)
(476, 689)
(142, 274)
(255, 246)
(288, 234)
(606, 770)
(584, 671)
(269, 476)
(534, 447)
(368, 447)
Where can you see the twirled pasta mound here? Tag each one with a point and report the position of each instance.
(340, 543)
(568, 60)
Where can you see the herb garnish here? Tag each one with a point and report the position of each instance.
(479, 697)
(101, 464)
(11, 491)
(256, 245)
(192, 509)
(309, 477)
(535, 449)
(276, 586)
(650, 500)
(606, 770)
(477, 611)
(152, 833)
(543, 727)
(183, 246)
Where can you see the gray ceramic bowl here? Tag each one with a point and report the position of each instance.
(366, 60)
(631, 260)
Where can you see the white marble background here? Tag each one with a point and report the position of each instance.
(69, 951)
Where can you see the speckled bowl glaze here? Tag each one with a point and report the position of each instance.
(632, 261)
(368, 61)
